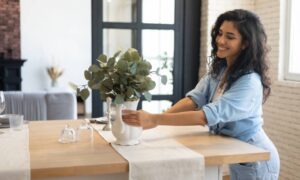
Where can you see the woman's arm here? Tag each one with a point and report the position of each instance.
(185, 104)
(181, 118)
(148, 120)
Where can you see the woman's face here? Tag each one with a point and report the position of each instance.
(229, 42)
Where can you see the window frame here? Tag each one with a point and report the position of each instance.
(186, 49)
(287, 41)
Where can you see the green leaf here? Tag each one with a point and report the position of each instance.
(133, 68)
(122, 65)
(111, 62)
(164, 79)
(123, 80)
(84, 93)
(102, 58)
(108, 83)
(96, 85)
(91, 83)
(94, 68)
(148, 96)
(129, 92)
(150, 84)
(73, 86)
(143, 68)
(165, 66)
(98, 76)
(104, 89)
(137, 93)
(119, 99)
(134, 54)
(126, 56)
(142, 85)
(117, 53)
(157, 71)
(115, 78)
(87, 75)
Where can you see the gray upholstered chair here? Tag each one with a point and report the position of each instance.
(41, 105)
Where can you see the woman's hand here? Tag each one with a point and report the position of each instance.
(139, 118)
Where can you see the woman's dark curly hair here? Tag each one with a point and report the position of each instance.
(252, 58)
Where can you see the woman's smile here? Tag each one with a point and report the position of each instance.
(220, 48)
(229, 42)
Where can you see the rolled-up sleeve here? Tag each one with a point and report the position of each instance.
(237, 103)
(200, 93)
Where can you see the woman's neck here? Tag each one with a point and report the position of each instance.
(224, 77)
(229, 62)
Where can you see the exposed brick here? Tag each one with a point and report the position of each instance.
(10, 27)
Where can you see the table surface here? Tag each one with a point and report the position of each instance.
(49, 158)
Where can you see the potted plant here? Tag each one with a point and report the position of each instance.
(124, 78)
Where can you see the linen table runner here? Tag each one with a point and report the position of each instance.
(158, 157)
(14, 152)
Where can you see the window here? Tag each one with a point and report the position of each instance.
(162, 31)
(292, 36)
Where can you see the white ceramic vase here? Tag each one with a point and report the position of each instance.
(125, 134)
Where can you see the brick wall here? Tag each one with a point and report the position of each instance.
(10, 29)
(281, 113)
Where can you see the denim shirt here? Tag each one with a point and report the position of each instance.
(238, 112)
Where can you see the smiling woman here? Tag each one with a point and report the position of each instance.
(229, 98)
(229, 42)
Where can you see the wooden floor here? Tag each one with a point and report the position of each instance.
(226, 177)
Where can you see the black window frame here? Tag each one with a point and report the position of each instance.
(186, 45)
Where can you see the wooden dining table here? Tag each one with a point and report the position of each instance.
(96, 158)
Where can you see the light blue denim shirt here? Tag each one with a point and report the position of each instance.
(238, 112)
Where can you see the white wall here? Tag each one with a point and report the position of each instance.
(55, 32)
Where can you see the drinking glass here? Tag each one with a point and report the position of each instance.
(85, 132)
(68, 135)
(2, 104)
(16, 121)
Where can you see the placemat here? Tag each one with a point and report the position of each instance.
(158, 157)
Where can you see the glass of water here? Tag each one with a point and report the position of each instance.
(16, 121)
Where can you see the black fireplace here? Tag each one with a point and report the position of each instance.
(10, 74)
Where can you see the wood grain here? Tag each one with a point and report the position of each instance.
(49, 158)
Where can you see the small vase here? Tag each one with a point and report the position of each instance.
(54, 83)
(125, 134)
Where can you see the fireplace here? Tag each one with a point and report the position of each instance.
(10, 74)
(10, 61)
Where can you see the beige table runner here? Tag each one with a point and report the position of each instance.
(14, 154)
(158, 157)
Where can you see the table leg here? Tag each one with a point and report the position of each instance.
(213, 172)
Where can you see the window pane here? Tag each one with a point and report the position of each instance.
(158, 48)
(119, 10)
(294, 65)
(117, 39)
(156, 106)
(158, 11)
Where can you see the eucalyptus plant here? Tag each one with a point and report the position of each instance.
(123, 77)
